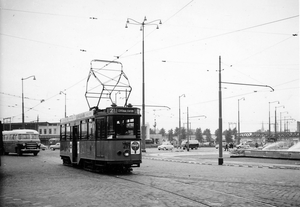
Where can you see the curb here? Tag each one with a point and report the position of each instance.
(229, 164)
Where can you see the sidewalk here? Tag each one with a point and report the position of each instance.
(211, 158)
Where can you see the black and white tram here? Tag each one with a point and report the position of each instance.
(102, 139)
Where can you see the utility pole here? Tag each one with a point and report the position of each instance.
(220, 161)
(143, 24)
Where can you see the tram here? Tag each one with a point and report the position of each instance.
(102, 139)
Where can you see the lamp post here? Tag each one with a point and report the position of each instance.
(23, 121)
(65, 102)
(281, 119)
(238, 138)
(143, 24)
(270, 117)
(179, 130)
(276, 120)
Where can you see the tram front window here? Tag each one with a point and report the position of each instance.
(122, 127)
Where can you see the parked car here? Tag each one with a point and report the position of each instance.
(243, 146)
(165, 146)
(193, 144)
(43, 147)
(55, 146)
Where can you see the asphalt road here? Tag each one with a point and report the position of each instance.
(164, 179)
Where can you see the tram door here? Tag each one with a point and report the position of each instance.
(74, 143)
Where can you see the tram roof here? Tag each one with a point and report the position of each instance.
(114, 110)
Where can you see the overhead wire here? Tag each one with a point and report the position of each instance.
(44, 13)
(153, 31)
(223, 34)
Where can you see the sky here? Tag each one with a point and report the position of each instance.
(56, 41)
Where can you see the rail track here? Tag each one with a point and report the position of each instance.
(228, 195)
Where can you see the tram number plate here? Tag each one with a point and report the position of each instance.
(135, 147)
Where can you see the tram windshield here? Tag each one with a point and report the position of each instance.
(121, 127)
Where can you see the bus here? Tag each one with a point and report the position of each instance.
(21, 141)
(102, 139)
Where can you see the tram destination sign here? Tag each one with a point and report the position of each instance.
(126, 111)
(122, 110)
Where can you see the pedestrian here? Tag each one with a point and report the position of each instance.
(256, 145)
(226, 147)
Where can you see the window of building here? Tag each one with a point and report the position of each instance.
(50, 131)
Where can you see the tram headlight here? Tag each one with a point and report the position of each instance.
(126, 153)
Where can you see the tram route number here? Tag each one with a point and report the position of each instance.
(135, 147)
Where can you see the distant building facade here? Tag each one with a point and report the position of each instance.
(47, 130)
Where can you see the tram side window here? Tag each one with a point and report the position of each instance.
(84, 129)
(91, 127)
(15, 137)
(63, 132)
(100, 129)
(68, 132)
(110, 128)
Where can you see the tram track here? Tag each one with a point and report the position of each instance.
(195, 182)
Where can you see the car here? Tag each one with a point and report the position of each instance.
(243, 146)
(55, 146)
(43, 147)
(192, 144)
(165, 146)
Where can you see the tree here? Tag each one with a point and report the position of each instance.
(162, 132)
(170, 134)
(228, 135)
(199, 135)
(176, 131)
(207, 134)
(152, 131)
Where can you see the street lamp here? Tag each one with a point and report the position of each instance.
(238, 138)
(143, 24)
(276, 120)
(270, 117)
(65, 102)
(179, 130)
(23, 121)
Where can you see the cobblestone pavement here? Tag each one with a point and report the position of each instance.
(43, 181)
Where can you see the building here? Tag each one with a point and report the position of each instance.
(47, 130)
